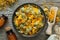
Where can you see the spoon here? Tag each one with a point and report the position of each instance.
(50, 25)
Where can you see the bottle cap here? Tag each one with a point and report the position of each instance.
(8, 28)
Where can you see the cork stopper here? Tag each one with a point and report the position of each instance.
(8, 28)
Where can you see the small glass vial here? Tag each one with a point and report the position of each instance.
(10, 34)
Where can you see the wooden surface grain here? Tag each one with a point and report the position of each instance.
(9, 12)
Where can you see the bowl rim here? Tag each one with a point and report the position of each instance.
(42, 11)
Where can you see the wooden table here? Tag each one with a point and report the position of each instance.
(9, 12)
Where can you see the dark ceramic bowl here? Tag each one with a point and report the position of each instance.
(42, 12)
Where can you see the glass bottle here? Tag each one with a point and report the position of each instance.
(10, 34)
